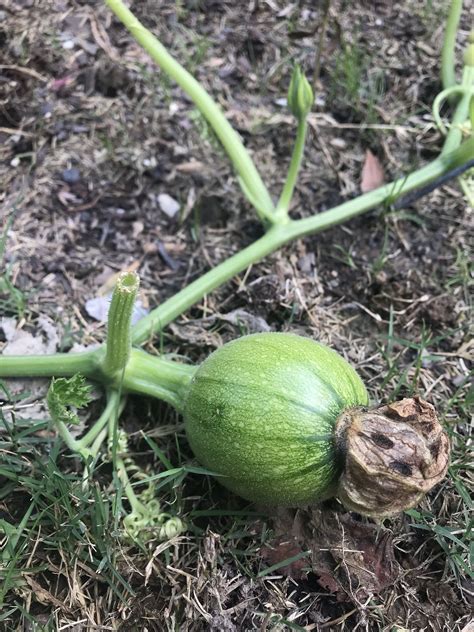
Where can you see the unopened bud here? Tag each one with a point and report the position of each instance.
(300, 94)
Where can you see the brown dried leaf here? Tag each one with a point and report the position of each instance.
(372, 173)
(242, 318)
(359, 560)
(290, 540)
(285, 550)
(329, 583)
(351, 559)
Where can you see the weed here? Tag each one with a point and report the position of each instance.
(12, 300)
(404, 367)
(54, 513)
(205, 131)
(345, 256)
(193, 48)
(355, 85)
(461, 274)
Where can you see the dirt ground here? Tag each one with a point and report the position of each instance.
(92, 136)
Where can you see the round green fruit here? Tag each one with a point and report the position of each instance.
(261, 412)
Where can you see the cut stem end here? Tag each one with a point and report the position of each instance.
(119, 344)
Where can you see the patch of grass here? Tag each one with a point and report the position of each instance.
(461, 274)
(450, 534)
(345, 257)
(379, 263)
(60, 529)
(446, 515)
(12, 300)
(432, 12)
(405, 358)
(53, 519)
(192, 48)
(53, 513)
(355, 84)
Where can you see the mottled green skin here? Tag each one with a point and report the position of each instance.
(261, 411)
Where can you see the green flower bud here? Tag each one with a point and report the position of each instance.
(300, 94)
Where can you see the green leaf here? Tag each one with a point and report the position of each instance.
(65, 396)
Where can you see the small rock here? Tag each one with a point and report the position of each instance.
(307, 262)
(338, 143)
(98, 309)
(168, 205)
(71, 176)
(149, 163)
(137, 228)
(20, 342)
(427, 359)
(458, 381)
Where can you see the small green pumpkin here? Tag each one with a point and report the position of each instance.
(261, 412)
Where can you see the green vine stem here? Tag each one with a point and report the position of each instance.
(71, 443)
(166, 379)
(296, 158)
(442, 96)
(277, 236)
(64, 364)
(206, 105)
(118, 343)
(461, 114)
(113, 404)
(448, 74)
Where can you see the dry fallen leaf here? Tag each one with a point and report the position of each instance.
(21, 342)
(242, 318)
(372, 173)
(351, 559)
(280, 552)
